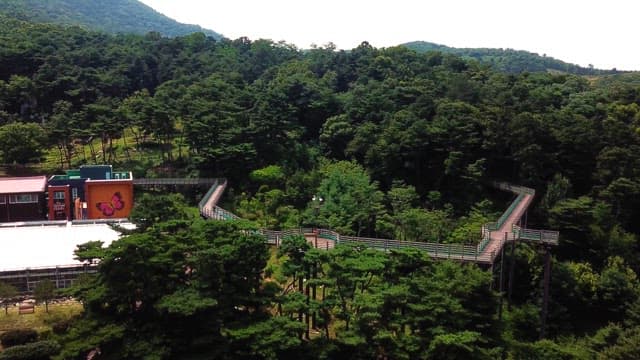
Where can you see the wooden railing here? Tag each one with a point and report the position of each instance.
(208, 205)
(218, 213)
(208, 195)
(543, 236)
(439, 250)
(505, 215)
(514, 188)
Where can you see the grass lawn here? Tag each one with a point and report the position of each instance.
(40, 320)
(125, 153)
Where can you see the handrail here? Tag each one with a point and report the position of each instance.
(440, 250)
(505, 215)
(209, 193)
(514, 188)
(218, 213)
(544, 236)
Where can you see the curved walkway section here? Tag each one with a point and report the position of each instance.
(494, 235)
(208, 206)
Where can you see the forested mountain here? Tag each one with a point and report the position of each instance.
(399, 144)
(509, 60)
(112, 16)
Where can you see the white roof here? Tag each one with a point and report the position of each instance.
(48, 246)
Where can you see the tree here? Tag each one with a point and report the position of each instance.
(178, 288)
(298, 270)
(61, 129)
(90, 252)
(7, 293)
(44, 291)
(151, 209)
(21, 143)
(351, 200)
(618, 288)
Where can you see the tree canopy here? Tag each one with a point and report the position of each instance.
(396, 143)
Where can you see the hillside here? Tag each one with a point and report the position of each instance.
(510, 60)
(113, 16)
(397, 144)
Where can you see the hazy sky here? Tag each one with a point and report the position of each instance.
(602, 33)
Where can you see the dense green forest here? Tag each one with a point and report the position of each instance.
(509, 60)
(398, 143)
(112, 16)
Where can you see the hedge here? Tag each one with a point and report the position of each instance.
(41, 350)
(18, 337)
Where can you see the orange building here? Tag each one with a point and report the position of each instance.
(92, 192)
(108, 199)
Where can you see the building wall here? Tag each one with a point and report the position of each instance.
(4, 204)
(22, 212)
(59, 209)
(76, 190)
(96, 172)
(76, 186)
(109, 199)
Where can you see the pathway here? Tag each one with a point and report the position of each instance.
(484, 253)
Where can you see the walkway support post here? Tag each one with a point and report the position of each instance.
(511, 273)
(313, 292)
(492, 276)
(501, 286)
(545, 295)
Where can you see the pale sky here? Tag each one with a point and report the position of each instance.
(602, 33)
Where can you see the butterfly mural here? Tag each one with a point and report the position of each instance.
(108, 208)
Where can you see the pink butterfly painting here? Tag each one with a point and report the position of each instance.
(109, 208)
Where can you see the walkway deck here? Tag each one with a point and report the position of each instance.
(493, 234)
(497, 237)
(175, 181)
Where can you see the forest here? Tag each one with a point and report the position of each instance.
(398, 144)
(111, 16)
(510, 60)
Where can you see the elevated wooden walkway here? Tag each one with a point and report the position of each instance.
(494, 235)
(175, 181)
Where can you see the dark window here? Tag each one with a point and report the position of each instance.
(23, 199)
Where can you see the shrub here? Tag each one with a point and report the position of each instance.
(41, 350)
(61, 326)
(18, 337)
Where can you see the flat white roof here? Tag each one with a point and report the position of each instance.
(48, 246)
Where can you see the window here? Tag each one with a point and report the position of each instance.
(23, 199)
(3, 199)
(74, 193)
(58, 195)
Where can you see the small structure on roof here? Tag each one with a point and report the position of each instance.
(22, 198)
